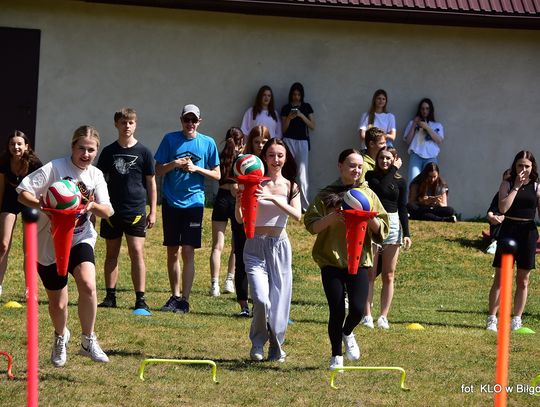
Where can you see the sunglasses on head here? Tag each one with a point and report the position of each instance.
(193, 120)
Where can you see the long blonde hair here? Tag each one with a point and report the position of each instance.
(85, 131)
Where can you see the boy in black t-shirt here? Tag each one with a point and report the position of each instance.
(129, 169)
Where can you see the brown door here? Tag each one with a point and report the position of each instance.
(19, 72)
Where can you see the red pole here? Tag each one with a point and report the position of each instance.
(30, 217)
(503, 338)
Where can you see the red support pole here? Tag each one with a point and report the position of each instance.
(30, 217)
(503, 338)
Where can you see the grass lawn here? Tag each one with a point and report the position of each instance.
(441, 283)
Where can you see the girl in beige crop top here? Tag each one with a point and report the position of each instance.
(278, 198)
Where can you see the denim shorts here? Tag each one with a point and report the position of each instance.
(394, 233)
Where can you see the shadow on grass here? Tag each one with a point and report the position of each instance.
(441, 324)
(478, 244)
(118, 352)
(461, 311)
(57, 377)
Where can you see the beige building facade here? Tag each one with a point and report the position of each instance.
(97, 58)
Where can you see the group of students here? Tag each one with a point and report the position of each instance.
(124, 179)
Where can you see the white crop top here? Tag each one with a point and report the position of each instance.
(269, 214)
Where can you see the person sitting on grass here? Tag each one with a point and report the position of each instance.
(428, 197)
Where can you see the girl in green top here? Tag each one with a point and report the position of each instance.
(325, 219)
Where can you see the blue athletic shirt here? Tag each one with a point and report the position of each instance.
(180, 188)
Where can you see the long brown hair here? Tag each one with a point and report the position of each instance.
(528, 156)
(392, 151)
(257, 106)
(424, 186)
(372, 108)
(289, 168)
(233, 139)
(29, 158)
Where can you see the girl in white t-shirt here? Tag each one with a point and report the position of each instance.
(263, 113)
(377, 116)
(78, 168)
(424, 136)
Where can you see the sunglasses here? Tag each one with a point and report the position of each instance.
(193, 120)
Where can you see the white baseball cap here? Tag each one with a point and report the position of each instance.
(191, 109)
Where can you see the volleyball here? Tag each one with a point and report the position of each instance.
(63, 194)
(357, 199)
(248, 164)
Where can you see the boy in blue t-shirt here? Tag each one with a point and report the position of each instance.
(184, 158)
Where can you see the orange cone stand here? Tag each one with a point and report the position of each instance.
(508, 248)
(62, 225)
(249, 201)
(356, 225)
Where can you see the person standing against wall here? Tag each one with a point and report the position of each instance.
(128, 167)
(262, 113)
(297, 120)
(185, 158)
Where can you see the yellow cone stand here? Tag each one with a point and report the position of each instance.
(181, 362)
(345, 368)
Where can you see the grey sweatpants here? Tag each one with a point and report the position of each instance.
(268, 263)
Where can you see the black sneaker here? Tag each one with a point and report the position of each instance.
(141, 304)
(171, 305)
(108, 302)
(183, 306)
(244, 313)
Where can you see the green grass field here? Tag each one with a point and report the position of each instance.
(441, 283)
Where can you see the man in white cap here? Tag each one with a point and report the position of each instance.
(184, 158)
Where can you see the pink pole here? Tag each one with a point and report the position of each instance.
(30, 217)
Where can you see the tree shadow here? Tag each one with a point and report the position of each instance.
(478, 244)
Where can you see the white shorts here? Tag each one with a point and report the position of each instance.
(395, 233)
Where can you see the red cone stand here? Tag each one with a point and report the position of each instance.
(62, 225)
(355, 226)
(249, 201)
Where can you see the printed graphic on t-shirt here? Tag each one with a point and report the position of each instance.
(194, 157)
(123, 162)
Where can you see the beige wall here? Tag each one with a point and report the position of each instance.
(97, 58)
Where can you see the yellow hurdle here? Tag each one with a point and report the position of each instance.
(344, 368)
(534, 382)
(181, 362)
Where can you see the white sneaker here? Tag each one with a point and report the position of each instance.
(229, 286)
(515, 324)
(59, 354)
(214, 290)
(491, 323)
(90, 347)
(492, 248)
(256, 353)
(351, 347)
(382, 322)
(336, 362)
(367, 321)
(346, 301)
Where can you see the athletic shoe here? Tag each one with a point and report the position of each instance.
(492, 248)
(256, 353)
(351, 347)
(59, 354)
(336, 362)
(108, 302)
(346, 301)
(276, 355)
(515, 324)
(141, 304)
(171, 305)
(244, 313)
(382, 322)
(229, 286)
(491, 324)
(183, 306)
(214, 290)
(367, 321)
(90, 348)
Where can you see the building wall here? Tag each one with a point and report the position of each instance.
(96, 58)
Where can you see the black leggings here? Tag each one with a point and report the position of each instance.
(433, 213)
(334, 282)
(240, 276)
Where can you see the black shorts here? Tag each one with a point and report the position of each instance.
(525, 234)
(117, 225)
(49, 275)
(181, 226)
(223, 206)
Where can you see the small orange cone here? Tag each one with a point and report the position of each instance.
(62, 225)
(249, 201)
(356, 226)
